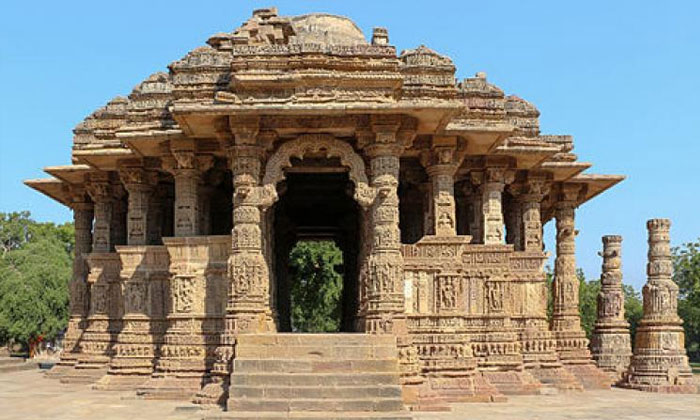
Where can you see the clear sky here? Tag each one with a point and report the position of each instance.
(622, 77)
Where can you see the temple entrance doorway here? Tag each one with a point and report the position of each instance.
(316, 245)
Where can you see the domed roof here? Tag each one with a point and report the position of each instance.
(322, 28)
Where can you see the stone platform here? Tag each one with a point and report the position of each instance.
(28, 395)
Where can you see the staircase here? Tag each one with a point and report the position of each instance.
(315, 376)
(16, 364)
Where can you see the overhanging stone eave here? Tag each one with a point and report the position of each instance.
(481, 138)
(51, 187)
(103, 159)
(563, 171)
(527, 157)
(596, 184)
(70, 174)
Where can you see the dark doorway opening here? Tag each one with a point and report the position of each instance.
(316, 207)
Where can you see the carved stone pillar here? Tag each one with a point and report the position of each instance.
(491, 182)
(659, 363)
(139, 183)
(186, 198)
(531, 225)
(440, 165)
(83, 214)
(572, 344)
(473, 198)
(384, 306)
(248, 307)
(101, 194)
(610, 342)
(566, 321)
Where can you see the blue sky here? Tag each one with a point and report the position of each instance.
(622, 77)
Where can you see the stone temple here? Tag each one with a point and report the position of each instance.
(189, 193)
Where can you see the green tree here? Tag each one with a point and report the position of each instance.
(316, 286)
(686, 273)
(35, 269)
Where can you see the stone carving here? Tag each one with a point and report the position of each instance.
(468, 310)
(659, 362)
(331, 147)
(610, 344)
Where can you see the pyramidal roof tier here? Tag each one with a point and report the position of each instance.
(286, 71)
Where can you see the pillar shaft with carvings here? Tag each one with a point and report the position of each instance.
(530, 206)
(248, 308)
(566, 320)
(139, 184)
(440, 165)
(83, 213)
(101, 194)
(491, 182)
(384, 289)
(659, 363)
(610, 343)
(572, 344)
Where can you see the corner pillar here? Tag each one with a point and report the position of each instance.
(572, 344)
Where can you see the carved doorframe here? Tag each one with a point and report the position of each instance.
(331, 147)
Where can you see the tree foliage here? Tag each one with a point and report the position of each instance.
(35, 269)
(316, 286)
(686, 273)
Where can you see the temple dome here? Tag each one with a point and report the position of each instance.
(322, 28)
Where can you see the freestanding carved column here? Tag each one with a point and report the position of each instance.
(572, 343)
(139, 184)
(610, 343)
(83, 213)
(659, 363)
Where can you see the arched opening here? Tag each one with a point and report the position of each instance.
(315, 206)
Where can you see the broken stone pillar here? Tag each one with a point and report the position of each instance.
(572, 344)
(659, 363)
(610, 344)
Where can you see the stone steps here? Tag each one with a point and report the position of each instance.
(275, 415)
(329, 376)
(16, 364)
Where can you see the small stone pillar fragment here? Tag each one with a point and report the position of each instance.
(659, 363)
(610, 343)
